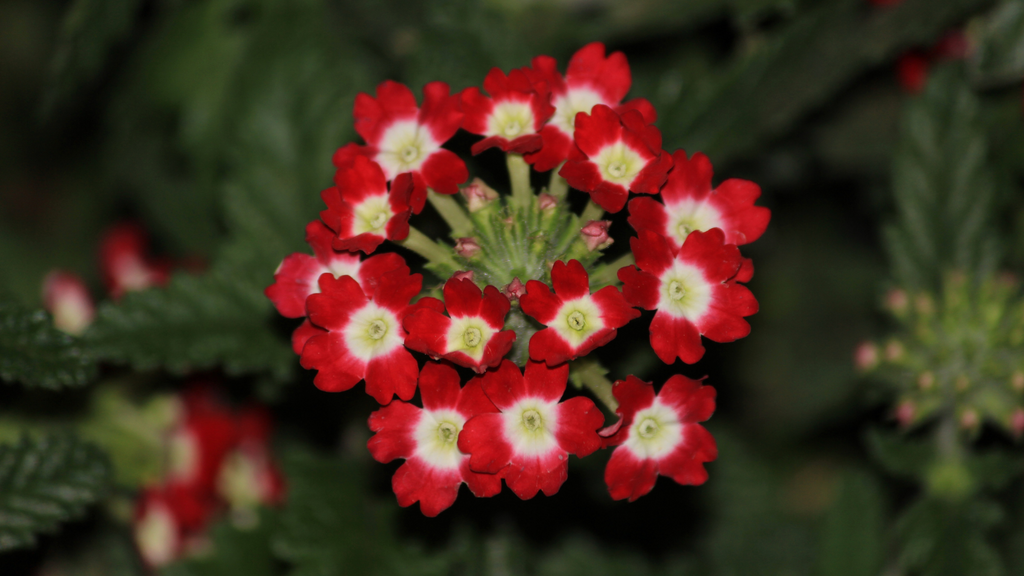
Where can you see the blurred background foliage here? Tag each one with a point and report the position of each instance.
(213, 122)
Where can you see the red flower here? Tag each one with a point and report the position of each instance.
(615, 154)
(364, 338)
(125, 263)
(361, 209)
(530, 440)
(67, 299)
(692, 204)
(591, 79)
(248, 476)
(166, 522)
(197, 446)
(577, 321)
(473, 336)
(427, 439)
(693, 289)
(405, 139)
(297, 275)
(659, 435)
(512, 117)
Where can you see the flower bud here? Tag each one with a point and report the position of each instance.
(865, 358)
(478, 195)
(547, 201)
(514, 290)
(66, 297)
(467, 247)
(926, 381)
(905, 413)
(896, 301)
(595, 234)
(463, 275)
(1017, 381)
(969, 419)
(894, 351)
(1017, 422)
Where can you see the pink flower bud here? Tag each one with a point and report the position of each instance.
(905, 413)
(896, 301)
(514, 290)
(467, 247)
(547, 201)
(894, 351)
(866, 356)
(1017, 422)
(595, 234)
(969, 419)
(1017, 381)
(66, 297)
(463, 275)
(478, 195)
(926, 381)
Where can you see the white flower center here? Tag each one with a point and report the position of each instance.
(572, 103)
(469, 335)
(689, 215)
(156, 535)
(377, 329)
(447, 433)
(510, 120)
(577, 320)
(372, 331)
(472, 337)
(532, 420)
(410, 153)
(618, 163)
(404, 147)
(684, 291)
(371, 215)
(655, 433)
(530, 426)
(437, 436)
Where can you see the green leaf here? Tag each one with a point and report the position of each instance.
(234, 551)
(898, 455)
(852, 540)
(89, 31)
(44, 482)
(941, 538)
(782, 77)
(196, 322)
(35, 353)
(943, 186)
(331, 526)
(998, 40)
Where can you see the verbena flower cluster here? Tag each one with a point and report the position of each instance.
(525, 297)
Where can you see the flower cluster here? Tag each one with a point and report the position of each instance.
(216, 459)
(957, 355)
(524, 297)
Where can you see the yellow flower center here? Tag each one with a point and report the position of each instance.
(577, 321)
(617, 169)
(472, 337)
(648, 428)
(447, 433)
(676, 290)
(410, 153)
(532, 420)
(377, 329)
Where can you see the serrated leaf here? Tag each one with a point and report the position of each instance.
(998, 40)
(941, 538)
(88, 32)
(852, 539)
(196, 322)
(44, 482)
(943, 186)
(36, 354)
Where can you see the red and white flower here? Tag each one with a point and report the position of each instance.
(427, 439)
(403, 138)
(511, 119)
(577, 321)
(298, 274)
(168, 521)
(472, 336)
(690, 203)
(248, 476)
(591, 79)
(198, 443)
(530, 440)
(125, 263)
(615, 154)
(693, 289)
(659, 435)
(66, 297)
(364, 338)
(361, 209)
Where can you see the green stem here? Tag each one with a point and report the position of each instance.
(592, 212)
(588, 373)
(453, 214)
(558, 187)
(608, 274)
(519, 174)
(435, 253)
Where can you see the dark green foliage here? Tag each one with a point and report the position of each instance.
(193, 324)
(36, 354)
(999, 55)
(853, 536)
(944, 188)
(44, 482)
(940, 538)
(90, 30)
(234, 551)
(898, 455)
